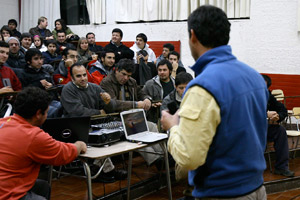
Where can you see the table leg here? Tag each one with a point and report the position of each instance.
(88, 180)
(129, 174)
(50, 174)
(164, 147)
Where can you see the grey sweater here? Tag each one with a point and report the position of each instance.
(84, 102)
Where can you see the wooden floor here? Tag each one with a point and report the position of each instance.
(74, 188)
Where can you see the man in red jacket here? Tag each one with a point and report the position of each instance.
(24, 147)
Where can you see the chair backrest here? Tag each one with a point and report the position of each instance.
(296, 112)
(278, 94)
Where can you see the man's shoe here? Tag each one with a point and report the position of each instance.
(284, 172)
(105, 178)
(120, 174)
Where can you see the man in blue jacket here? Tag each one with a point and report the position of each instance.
(221, 135)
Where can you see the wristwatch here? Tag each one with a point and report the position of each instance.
(149, 98)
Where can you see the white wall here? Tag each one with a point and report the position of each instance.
(9, 9)
(269, 41)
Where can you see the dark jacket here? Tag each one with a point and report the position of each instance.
(113, 88)
(121, 51)
(144, 72)
(16, 61)
(49, 58)
(95, 48)
(170, 99)
(274, 105)
(37, 31)
(16, 33)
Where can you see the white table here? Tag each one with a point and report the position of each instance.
(117, 149)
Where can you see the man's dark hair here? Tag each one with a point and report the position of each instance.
(12, 21)
(32, 52)
(106, 51)
(61, 31)
(126, 64)
(30, 100)
(4, 44)
(175, 53)
(89, 33)
(117, 30)
(25, 35)
(166, 62)
(48, 42)
(143, 36)
(183, 78)
(210, 25)
(65, 52)
(169, 46)
(78, 64)
(267, 79)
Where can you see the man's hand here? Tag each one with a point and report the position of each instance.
(147, 105)
(69, 62)
(50, 38)
(46, 84)
(155, 105)
(273, 116)
(105, 97)
(81, 147)
(168, 120)
(6, 89)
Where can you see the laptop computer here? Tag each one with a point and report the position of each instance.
(136, 128)
(68, 129)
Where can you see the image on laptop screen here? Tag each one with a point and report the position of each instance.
(135, 123)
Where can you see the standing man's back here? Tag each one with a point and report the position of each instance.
(221, 135)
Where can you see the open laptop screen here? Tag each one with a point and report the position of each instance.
(135, 122)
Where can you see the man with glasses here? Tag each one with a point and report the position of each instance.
(62, 74)
(16, 58)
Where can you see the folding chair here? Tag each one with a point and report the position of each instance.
(295, 133)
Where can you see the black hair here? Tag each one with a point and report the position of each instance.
(89, 33)
(143, 52)
(4, 44)
(126, 64)
(210, 25)
(42, 41)
(267, 79)
(165, 62)
(63, 24)
(66, 51)
(183, 78)
(12, 21)
(117, 30)
(6, 28)
(175, 53)
(30, 100)
(105, 51)
(47, 42)
(143, 36)
(32, 52)
(169, 46)
(78, 64)
(25, 35)
(61, 31)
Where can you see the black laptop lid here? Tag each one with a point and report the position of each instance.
(68, 129)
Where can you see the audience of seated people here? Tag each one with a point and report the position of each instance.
(22, 59)
(60, 25)
(141, 44)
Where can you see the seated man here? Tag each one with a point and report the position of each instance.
(19, 167)
(62, 42)
(41, 29)
(122, 88)
(12, 24)
(167, 48)
(92, 43)
(16, 59)
(174, 98)
(121, 51)
(158, 88)
(26, 42)
(277, 133)
(80, 98)
(62, 74)
(174, 57)
(141, 44)
(101, 69)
